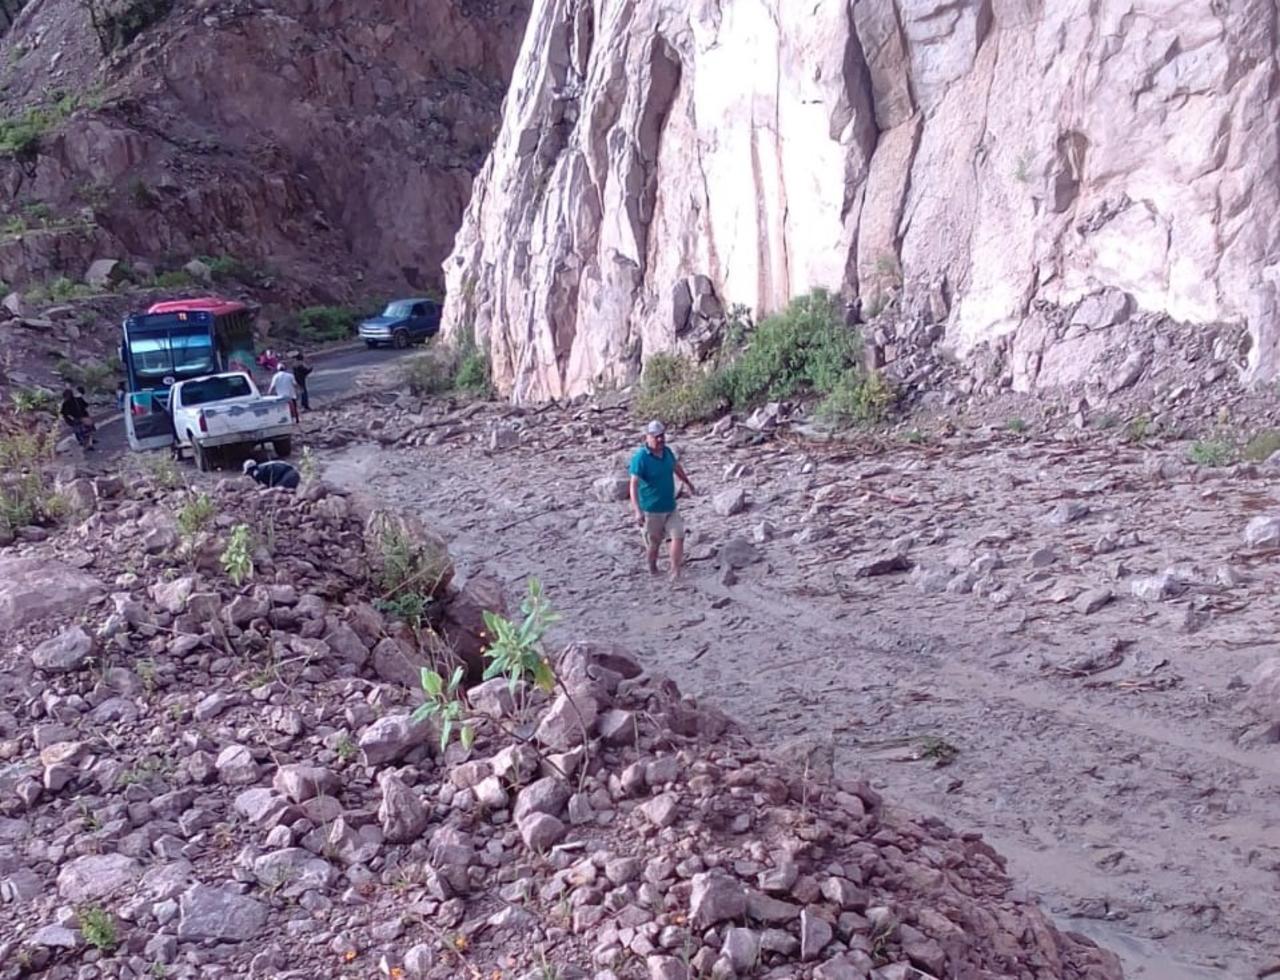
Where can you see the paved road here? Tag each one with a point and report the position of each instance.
(334, 374)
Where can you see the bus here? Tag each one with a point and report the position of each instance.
(171, 342)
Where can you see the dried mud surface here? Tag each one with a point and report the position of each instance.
(1105, 753)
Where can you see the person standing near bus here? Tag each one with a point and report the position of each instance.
(75, 413)
(300, 371)
(285, 385)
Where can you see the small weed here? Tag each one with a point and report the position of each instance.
(410, 606)
(1016, 425)
(99, 929)
(937, 750)
(307, 464)
(164, 471)
(237, 557)
(35, 400)
(1211, 452)
(146, 671)
(15, 225)
(346, 749)
(1107, 421)
(1138, 429)
(141, 194)
(195, 515)
(442, 702)
(172, 279)
(515, 649)
(915, 437)
(406, 565)
(1262, 446)
(224, 268)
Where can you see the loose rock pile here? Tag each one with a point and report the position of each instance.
(199, 779)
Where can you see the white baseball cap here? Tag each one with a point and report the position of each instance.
(250, 465)
(656, 428)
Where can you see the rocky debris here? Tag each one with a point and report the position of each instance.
(1263, 532)
(613, 818)
(609, 489)
(35, 590)
(727, 503)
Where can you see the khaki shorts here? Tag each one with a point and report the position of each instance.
(658, 527)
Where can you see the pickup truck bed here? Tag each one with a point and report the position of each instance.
(208, 422)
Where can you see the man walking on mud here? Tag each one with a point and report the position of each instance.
(654, 469)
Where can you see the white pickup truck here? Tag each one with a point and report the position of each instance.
(217, 412)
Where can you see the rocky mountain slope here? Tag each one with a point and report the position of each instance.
(329, 146)
(1035, 178)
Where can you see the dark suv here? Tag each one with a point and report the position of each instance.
(403, 322)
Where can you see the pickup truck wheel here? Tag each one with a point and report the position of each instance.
(203, 463)
(283, 447)
(400, 339)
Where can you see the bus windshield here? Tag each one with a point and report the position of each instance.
(176, 354)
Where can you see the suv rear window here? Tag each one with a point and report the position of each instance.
(215, 390)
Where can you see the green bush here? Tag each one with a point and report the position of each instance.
(173, 279)
(857, 398)
(25, 494)
(20, 136)
(677, 391)
(1211, 452)
(227, 267)
(473, 371)
(807, 347)
(323, 324)
(432, 372)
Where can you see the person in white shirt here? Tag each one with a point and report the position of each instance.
(284, 384)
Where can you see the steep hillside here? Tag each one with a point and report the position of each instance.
(326, 148)
(1044, 180)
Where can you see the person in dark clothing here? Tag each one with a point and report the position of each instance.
(276, 473)
(75, 413)
(300, 371)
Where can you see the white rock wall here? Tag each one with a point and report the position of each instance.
(993, 152)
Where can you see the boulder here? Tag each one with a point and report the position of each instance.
(609, 489)
(34, 589)
(398, 542)
(463, 624)
(105, 273)
(96, 876)
(729, 502)
(219, 914)
(69, 650)
(1263, 532)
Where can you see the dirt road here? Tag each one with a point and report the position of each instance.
(1011, 683)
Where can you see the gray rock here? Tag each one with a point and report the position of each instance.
(504, 437)
(666, 968)
(609, 489)
(199, 271)
(930, 581)
(419, 961)
(67, 651)
(715, 898)
(661, 811)
(1068, 512)
(491, 793)
(568, 722)
(617, 727)
(33, 590)
(885, 564)
(762, 532)
(1263, 698)
(346, 643)
(727, 503)
(236, 766)
(220, 914)
(815, 934)
(1263, 532)
(172, 596)
(391, 738)
(294, 869)
(541, 831)
(737, 552)
(55, 937)
(96, 876)
(261, 806)
(742, 948)
(300, 783)
(492, 698)
(547, 795)
(1091, 600)
(1042, 558)
(401, 813)
(1154, 588)
(244, 609)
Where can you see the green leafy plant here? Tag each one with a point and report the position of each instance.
(164, 471)
(473, 371)
(33, 400)
(515, 649)
(346, 749)
(1016, 426)
(99, 928)
(224, 268)
(195, 515)
(442, 702)
(172, 279)
(410, 606)
(237, 557)
(676, 390)
(1211, 452)
(1138, 429)
(322, 324)
(865, 399)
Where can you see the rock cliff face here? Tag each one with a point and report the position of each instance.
(328, 141)
(989, 165)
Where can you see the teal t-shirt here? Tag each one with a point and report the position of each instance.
(657, 475)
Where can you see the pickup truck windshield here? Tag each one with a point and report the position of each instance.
(176, 354)
(215, 390)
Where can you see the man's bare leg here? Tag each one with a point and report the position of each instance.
(677, 557)
(651, 552)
